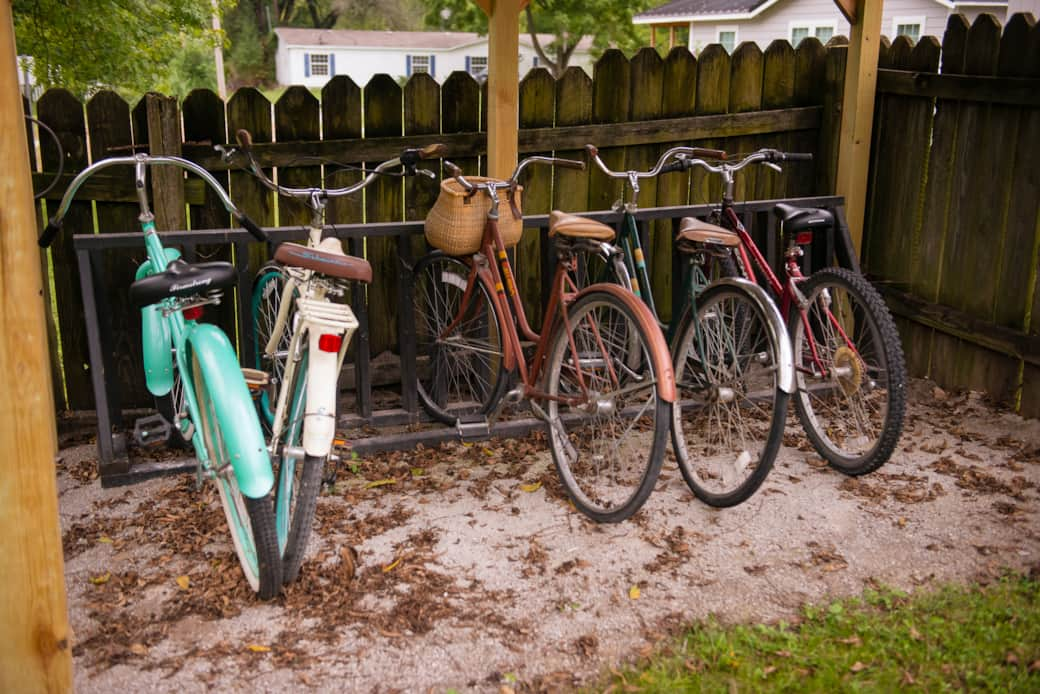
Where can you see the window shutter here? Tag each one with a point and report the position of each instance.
(433, 66)
(306, 64)
(332, 64)
(468, 64)
(408, 66)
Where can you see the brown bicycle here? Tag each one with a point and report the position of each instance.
(599, 373)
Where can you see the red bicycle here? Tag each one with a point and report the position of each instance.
(849, 368)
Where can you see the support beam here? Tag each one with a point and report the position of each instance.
(36, 655)
(503, 83)
(857, 115)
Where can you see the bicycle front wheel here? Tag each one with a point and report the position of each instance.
(608, 428)
(729, 417)
(458, 340)
(251, 521)
(268, 288)
(850, 372)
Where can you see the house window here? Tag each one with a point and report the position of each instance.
(319, 64)
(419, 64)
(911, 27)
(727, 36)
(477, 65)
(822, 30)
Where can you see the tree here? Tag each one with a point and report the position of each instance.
(608, 22)
(132, 45)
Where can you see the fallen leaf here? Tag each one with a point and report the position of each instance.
(103, 578)
(915, 634)
(782, 654)
(257, 648)
(393, 565)
(533, 487)
(769, 670)
(858, 667)
(939, 394)
(1034, 666)
(105, 539)
(139, 649)
(817, 462)
(418, 472)
(183, 582)
(1011, 658)
(634, 593)
(489, 453)
(380, 483)
(907, 678)
(852, 641)
(901, 522)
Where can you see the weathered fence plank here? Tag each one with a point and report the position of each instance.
(250, 110)
(297, 119)
(537, 105)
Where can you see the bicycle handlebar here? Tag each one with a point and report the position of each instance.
(762, 156)
(409, 158)
(662, 166)
(140, 161)
(456, 173)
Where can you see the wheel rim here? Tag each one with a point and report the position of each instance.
(266, 301)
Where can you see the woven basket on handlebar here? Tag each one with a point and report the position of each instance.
(455, 225)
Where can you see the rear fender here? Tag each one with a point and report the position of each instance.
(234, 407)
(775, 325)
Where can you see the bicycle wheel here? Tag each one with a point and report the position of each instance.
(607, 445)
(298, 484)
(458, 347)
(251, 521)
(729, 420)
(267, 298)
(850, 373)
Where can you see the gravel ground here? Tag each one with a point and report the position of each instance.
(470, 571)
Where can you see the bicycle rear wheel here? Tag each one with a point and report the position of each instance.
(251, 521)
(298, 482)
(729, 417)
(851, 396)
(268, 288)
(607, 446)
(458, 343)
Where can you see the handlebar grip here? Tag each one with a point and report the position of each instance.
(245, 140)
(676, 165)
(47, 238)
(797, 156)
(433, 151)
(570, 164)
(592, 150)
(252, 227)
(709, 153)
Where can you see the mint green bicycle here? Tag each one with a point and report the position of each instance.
(192, 367)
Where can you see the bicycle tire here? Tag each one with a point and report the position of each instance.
(266, 300)
(297, 485)
(873, 365)
(730, 413)
(250, 521)
(461, 374)
(601, 323)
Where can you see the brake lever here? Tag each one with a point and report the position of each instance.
(426, 172)
(774, 167)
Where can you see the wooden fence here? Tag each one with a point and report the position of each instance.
(632, 108)
(953, 227)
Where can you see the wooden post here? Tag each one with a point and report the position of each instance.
(857, 112)
(34, 630)
(503, 83)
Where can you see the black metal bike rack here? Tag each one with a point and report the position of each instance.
(115, 461)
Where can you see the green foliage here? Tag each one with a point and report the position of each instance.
(607, 22)
(974, 638)
(249, 57)
(130, 45)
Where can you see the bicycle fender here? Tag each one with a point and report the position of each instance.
(235, 411)
(319, 419)
(658, 347)
(777, 328)
(156, 338)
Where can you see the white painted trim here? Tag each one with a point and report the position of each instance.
(718, 17)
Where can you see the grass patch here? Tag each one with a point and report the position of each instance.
(977, 638)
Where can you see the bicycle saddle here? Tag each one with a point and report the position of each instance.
(578, 227)
(328, 259)
(693, 229)
(798, 218)
(182, 279)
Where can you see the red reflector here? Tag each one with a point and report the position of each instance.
(193, 313)
(330, 342)
(803, 237)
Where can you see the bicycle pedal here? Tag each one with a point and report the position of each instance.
(152, 431)
(475, 430)
(255, 378)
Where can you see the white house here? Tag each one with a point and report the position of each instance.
(311, 57)
(730, 22)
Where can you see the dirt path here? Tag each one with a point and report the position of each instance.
(471, 572)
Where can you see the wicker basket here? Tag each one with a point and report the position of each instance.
(456, 223)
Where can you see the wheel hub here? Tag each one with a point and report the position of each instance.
(848, 370)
